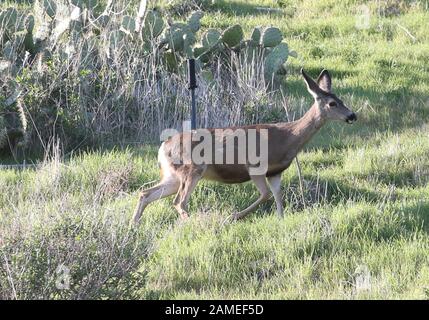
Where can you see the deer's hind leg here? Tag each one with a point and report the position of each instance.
(182, 198)
(261, 184)
(165, 188)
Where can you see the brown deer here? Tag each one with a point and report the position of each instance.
(284, 141)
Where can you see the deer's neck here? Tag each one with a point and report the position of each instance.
(305, 128)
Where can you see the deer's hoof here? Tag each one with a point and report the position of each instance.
(184, 216)
(134, 224)
(231, 219)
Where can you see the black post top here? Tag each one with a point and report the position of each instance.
(191, 73)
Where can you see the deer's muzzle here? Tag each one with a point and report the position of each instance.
(351, 118)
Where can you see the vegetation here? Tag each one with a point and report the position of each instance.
(57, 57)
(357, 229)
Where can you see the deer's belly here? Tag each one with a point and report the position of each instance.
(238, 173)
(277, 169)
(227, 173)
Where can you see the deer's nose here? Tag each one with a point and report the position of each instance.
(352, 117)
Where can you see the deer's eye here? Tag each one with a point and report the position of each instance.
(332, 104)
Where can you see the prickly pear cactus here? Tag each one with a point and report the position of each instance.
(153, 25)
(275, 60)
(271, 37)
(194, 22)
(51, 19)
(8, 51)
(188, 43)
(174, 36)
(8, 19)
(208, 76)
(128, 24)
(171, 61)
(233, 36)
(50, 7)
(256, 35)
(3, 133)
(115, 38)
(205, 57)
(29, 23)
(94, 7)
(211, 38)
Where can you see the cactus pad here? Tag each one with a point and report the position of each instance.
(271, 37)
(211, 38)
(8, 18)
(198, 51)
(256, 35)
(275, 59)
(194, 21)
(233, 36)
(128, 24)
(153, 25)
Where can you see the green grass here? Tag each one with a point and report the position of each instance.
(364, 215)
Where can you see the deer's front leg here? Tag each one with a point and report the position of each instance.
(261, 184)
(275, 183)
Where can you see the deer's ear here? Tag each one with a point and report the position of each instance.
(312, 86)
(324, 81)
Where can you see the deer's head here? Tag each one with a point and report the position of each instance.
(329, 105)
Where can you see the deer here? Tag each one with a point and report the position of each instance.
(284, 141)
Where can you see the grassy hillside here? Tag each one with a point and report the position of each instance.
(359, 230)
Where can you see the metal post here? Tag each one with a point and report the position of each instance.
(192, 87)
